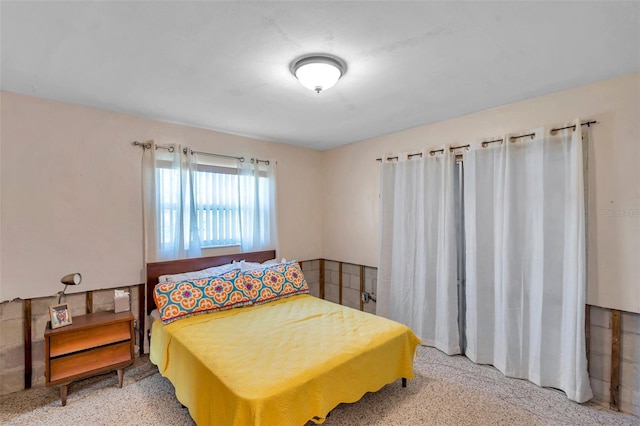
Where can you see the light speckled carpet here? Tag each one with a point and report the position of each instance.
(446, 391)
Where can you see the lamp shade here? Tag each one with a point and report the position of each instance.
(318, 72)
(71, 279)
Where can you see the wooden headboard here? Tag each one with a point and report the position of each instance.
(156, 269)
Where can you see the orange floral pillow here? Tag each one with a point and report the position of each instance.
(275, 282)
(191, 297)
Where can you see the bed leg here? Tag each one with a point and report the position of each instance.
(404, 382)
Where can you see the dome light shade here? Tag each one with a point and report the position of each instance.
(318, 72)
(69, 279)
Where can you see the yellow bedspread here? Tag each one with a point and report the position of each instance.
(282, 363)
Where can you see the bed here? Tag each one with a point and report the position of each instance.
(282, 362)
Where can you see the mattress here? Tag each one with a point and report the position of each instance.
(281, 363)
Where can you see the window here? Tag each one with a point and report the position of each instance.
(217, 206)
(194, 201)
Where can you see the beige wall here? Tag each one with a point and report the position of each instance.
(350, 205)
(78, 208)
(71, 193)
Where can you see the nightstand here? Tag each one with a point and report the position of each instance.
(93, 344)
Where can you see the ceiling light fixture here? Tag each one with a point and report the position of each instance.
(318, 72)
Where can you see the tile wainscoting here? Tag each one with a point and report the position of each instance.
(16, 373)
(610, 332)
(340, 283)
(615, 373)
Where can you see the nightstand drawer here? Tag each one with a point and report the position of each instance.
(77, 340)
(67, 367)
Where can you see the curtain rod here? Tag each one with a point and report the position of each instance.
(240, 159)
(147, 145)
(143, 145)
(486, 143)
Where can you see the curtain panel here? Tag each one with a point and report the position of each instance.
(257, 190)
(525, 260)
(417, 267)
(170, 225)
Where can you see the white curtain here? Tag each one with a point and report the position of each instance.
(417, 259)
(525, 260)
(257, 190)
(170, 225)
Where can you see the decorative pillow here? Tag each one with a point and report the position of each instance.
(204, 273)
(191, 297)
(275, 282)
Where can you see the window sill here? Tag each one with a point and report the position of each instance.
(220, 247)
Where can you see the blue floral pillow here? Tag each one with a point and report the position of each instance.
(275, 282)
(191, 297)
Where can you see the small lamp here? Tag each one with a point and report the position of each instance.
(70, 279)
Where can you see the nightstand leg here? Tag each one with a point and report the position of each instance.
(63, 395)
(120, 377)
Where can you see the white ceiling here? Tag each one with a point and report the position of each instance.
(225, 65)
